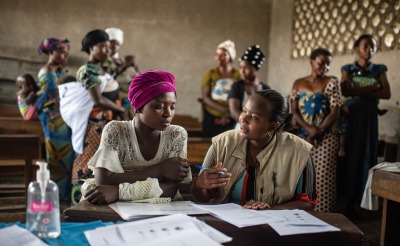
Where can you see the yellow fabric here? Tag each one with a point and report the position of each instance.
(212, 76)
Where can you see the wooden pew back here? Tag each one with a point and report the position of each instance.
(17, 125)
(197, 149)
(9, 110)
(191, 124)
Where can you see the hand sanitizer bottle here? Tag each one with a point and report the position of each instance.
(43, 207)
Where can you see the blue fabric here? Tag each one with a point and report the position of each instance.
(71, 232)
(373, 70)
(313, 107)
(362, 127)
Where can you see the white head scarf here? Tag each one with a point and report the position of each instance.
(116, 34)
(229, 46)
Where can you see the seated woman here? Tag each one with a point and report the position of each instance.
(259, 166)
(27, 95)
(144, 158)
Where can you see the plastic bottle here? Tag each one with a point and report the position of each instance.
(43, 207)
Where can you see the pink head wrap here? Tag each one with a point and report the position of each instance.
(148, 85)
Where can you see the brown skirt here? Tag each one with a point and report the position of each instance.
(80, 168)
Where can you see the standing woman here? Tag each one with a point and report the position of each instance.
(315, 106)
(216, 86)
(59, 152)
(365, 83)
(91, 77)
(250, 63)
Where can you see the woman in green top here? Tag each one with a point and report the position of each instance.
(96, 43)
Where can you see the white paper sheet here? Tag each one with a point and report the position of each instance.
(17, 236)
(172, 229)
(239, 216)
(133, 211)
(298, 222)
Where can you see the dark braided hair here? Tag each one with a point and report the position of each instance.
(279, 108)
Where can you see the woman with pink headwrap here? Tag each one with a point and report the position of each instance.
(145, 158)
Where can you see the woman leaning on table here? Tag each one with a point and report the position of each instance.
(145, 158)
(265, 166)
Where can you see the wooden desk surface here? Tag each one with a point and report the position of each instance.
(386, 185)
(253, 235)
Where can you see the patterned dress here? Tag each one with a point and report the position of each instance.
(59, 152)
(362, 129)
(313, 108)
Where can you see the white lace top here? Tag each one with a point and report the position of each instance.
(119, 149)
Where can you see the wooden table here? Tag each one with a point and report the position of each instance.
(387, 185)
(252, 235)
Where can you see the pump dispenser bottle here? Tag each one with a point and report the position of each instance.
(43, 207)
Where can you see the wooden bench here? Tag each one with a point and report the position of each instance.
(19, 126)
(20, 147)
(16, 149)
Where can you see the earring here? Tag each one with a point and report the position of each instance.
(269, 134)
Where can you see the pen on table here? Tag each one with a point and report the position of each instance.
(205, 168)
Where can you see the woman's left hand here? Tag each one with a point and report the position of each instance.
(256, 205)
(103, 194)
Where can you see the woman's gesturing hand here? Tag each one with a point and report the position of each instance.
(213, 177)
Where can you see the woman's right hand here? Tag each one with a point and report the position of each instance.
(175, 169)
(312, 133)
(103, 194)
(211, 178)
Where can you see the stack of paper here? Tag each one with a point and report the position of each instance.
(134, 210)
(171, 230)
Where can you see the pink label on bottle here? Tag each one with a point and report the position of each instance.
(41, 206)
